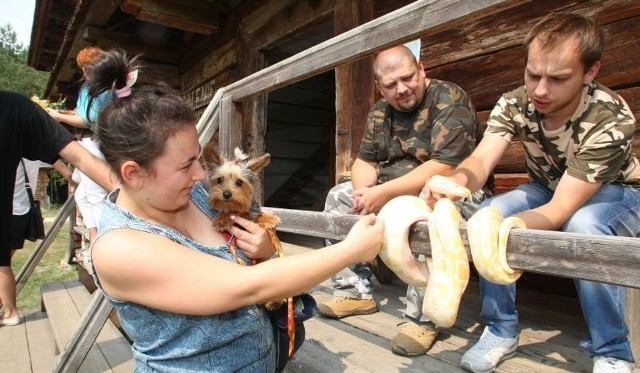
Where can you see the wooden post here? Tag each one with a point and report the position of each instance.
(254, 120)
(633, 320)
(354, 88)
(230, 126)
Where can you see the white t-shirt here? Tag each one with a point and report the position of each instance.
(20, 196)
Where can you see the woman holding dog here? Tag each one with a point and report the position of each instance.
(180, 297)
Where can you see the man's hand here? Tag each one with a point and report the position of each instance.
(368, 200)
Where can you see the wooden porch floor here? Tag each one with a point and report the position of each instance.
(551, 328)
(552, 325)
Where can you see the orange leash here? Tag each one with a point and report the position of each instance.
(291, 326)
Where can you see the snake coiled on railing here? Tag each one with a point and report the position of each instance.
(446, 273)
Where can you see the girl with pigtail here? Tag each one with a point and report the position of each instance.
(180, 296)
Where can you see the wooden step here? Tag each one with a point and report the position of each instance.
(27, 347)
(65, 303)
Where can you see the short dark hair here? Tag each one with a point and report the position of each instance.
(560, 26)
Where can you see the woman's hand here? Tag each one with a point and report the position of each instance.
(366, 237)
(53, 113)
(254, 241)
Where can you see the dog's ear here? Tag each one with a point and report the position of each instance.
(211, 156)
(257, 164)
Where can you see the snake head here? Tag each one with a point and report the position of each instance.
(443, 185)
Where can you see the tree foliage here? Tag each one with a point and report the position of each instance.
(15, 75)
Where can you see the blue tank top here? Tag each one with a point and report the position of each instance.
(236, 341)
(99, 102)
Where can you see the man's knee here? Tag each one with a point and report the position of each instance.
(339, 199)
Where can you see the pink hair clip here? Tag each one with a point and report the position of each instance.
(132, 77)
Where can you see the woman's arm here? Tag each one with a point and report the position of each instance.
(154, 271)
(90, 165)
(70, 119)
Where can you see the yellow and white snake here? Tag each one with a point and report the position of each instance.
(446, 273)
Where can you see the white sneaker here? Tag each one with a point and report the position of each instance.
(488, 352)
(608, 364)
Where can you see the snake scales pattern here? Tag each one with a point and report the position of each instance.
(446, 273)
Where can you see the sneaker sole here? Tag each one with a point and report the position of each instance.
(357, 313)
(401, 352)
(505, 357)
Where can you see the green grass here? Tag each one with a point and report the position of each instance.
(49, 269)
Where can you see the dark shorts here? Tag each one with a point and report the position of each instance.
(19, 226)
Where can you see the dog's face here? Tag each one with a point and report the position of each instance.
(231, 180)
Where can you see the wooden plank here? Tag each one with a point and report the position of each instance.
(507, 182)
(607, 259)
(80, 349)
(280, 20)
(41, 344)
(113, 345)
(13, 349)
(194, 16)
(65, 318)
(167, 52)
(217, 65)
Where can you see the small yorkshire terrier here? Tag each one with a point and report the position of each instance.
(231, 184)
(231, 188)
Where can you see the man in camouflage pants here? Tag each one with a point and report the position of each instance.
(420, 128)
(577, 137)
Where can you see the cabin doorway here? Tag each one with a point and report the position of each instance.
(300, 135)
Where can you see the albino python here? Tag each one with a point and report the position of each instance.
(446, 273)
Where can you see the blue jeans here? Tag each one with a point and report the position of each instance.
(613, 211)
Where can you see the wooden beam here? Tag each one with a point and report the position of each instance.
(222, 59)
(167, 52)
(276, 21)
(354, 90)
(95, 13)
(169, 74)
(194, 16)
(609, 259)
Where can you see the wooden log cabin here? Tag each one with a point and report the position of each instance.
(311, 118)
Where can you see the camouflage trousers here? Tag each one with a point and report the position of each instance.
(356, 281)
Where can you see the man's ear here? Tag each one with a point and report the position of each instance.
(378, 86)
(133, 174)
(590, 74)
(421, 69)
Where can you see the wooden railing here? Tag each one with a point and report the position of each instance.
(613, 260)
